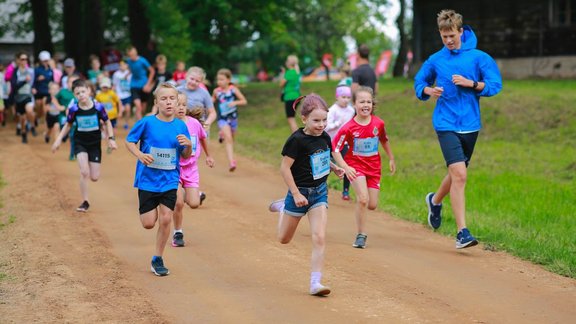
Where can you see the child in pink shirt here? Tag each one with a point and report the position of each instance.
(188, 191)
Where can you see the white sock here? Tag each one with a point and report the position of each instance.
(315, 278)
(178, 231)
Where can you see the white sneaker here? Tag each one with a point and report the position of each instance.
(276, 206)
(319, 290)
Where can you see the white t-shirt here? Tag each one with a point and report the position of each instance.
(337, 117)
(121, 83)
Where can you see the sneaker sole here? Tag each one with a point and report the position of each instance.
(176, 245)
(359, 246)
(81, 210)
(322, 292)
(159, 274)
(428, 203)
(466, 245)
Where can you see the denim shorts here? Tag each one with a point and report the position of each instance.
(457, 147)
(317, 196)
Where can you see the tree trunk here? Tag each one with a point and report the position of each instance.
(139, 25)
(73, 33)
(42, 34)
(94, 27)
(403, 50)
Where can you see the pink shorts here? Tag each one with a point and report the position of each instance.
(189, 176)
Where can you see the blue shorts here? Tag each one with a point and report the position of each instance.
(317, 196)
(457, 147)
(231, 120)
(126, 101)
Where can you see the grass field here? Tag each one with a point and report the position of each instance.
(521, 192)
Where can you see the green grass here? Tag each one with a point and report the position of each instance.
(521, 192)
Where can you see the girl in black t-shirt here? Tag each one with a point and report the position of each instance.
(305, 168)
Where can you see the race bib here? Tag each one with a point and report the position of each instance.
(164, 158)
(320, 163)
(87, 123)
(125, 85)
(365, 146)
(108, 106)
(194, 140)
(226, 109)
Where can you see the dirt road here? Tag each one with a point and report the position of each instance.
(57, 265)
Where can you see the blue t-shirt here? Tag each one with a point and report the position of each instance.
(158, 138)
(139, 69)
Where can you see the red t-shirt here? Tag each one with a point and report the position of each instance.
(363, 142)
(179, 75)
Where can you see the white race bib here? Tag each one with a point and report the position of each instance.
(164, 158)
(108, 106)
(88, 123)
(194, 140)
(365, 146)
(320, 163)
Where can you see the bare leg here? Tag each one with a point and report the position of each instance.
(362, 199)
(164, 220)
(287, 227)
(138, 109)
(178, 209)
(458, 174)
(318, 219)
(292, 124)
(229, 142)
(82, 159)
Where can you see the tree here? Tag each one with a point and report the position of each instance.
(398, 70)
(42, 34)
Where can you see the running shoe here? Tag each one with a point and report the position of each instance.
(83, 207)
(276, 206)
(465, 240)
(434, 212)
(220, 138)
(18, 130)
(232, 166)
(178, 239)
(158, 267)
(345, 195)
(24, 138)
(46, 138)
(126, 126)
(319, 290)
(202, 197)
(360, 242)
(33, 131)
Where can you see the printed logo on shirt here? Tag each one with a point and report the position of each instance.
(164, 158)
(87, 123)
(320, 163)
(375, 131)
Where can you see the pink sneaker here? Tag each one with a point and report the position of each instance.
(232, 166)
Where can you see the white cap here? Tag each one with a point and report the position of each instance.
(44, 56)
(105, 83)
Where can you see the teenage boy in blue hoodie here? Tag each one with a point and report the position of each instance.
(457, 76)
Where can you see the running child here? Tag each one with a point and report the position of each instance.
(121, 82)
(87, 114)
(110, 100)
(339, 114)
(227, 98)
(363, 165)
(188, 187)
(305, 167)
(163, 140)
(54, 111)
(179, 75)
(198, 96)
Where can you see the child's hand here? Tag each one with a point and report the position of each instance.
(300, 200)
(112, 144)
(392, 166)
(210, 161)
(339, 172)
(350, 173)
(56, 145)
(146, 159)
(183, 140)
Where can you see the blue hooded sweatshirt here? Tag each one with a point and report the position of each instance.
(458, 108)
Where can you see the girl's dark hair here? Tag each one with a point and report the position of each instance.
(309, 103)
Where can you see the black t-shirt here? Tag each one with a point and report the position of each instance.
(87, 123)
(364, 75)
(162, 77)
(311, 156)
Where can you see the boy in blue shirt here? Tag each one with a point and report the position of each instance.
(163, 140)
(462, 75)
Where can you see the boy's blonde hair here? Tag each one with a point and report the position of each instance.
(449, 19)
(196, 70)
(165, 85)
(161, 59)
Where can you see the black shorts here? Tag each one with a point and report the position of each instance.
(21, 106)
(41, 96)
(290, 111)
(138, 93)
(94, 151)
(51, 120)
(150, 200)
(457, 147)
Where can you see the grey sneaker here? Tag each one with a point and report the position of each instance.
(158, 267)
(178, 239)
(360, 242)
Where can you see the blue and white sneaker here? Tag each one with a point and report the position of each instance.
(158, 267)
(465, 240)
(434, 212)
